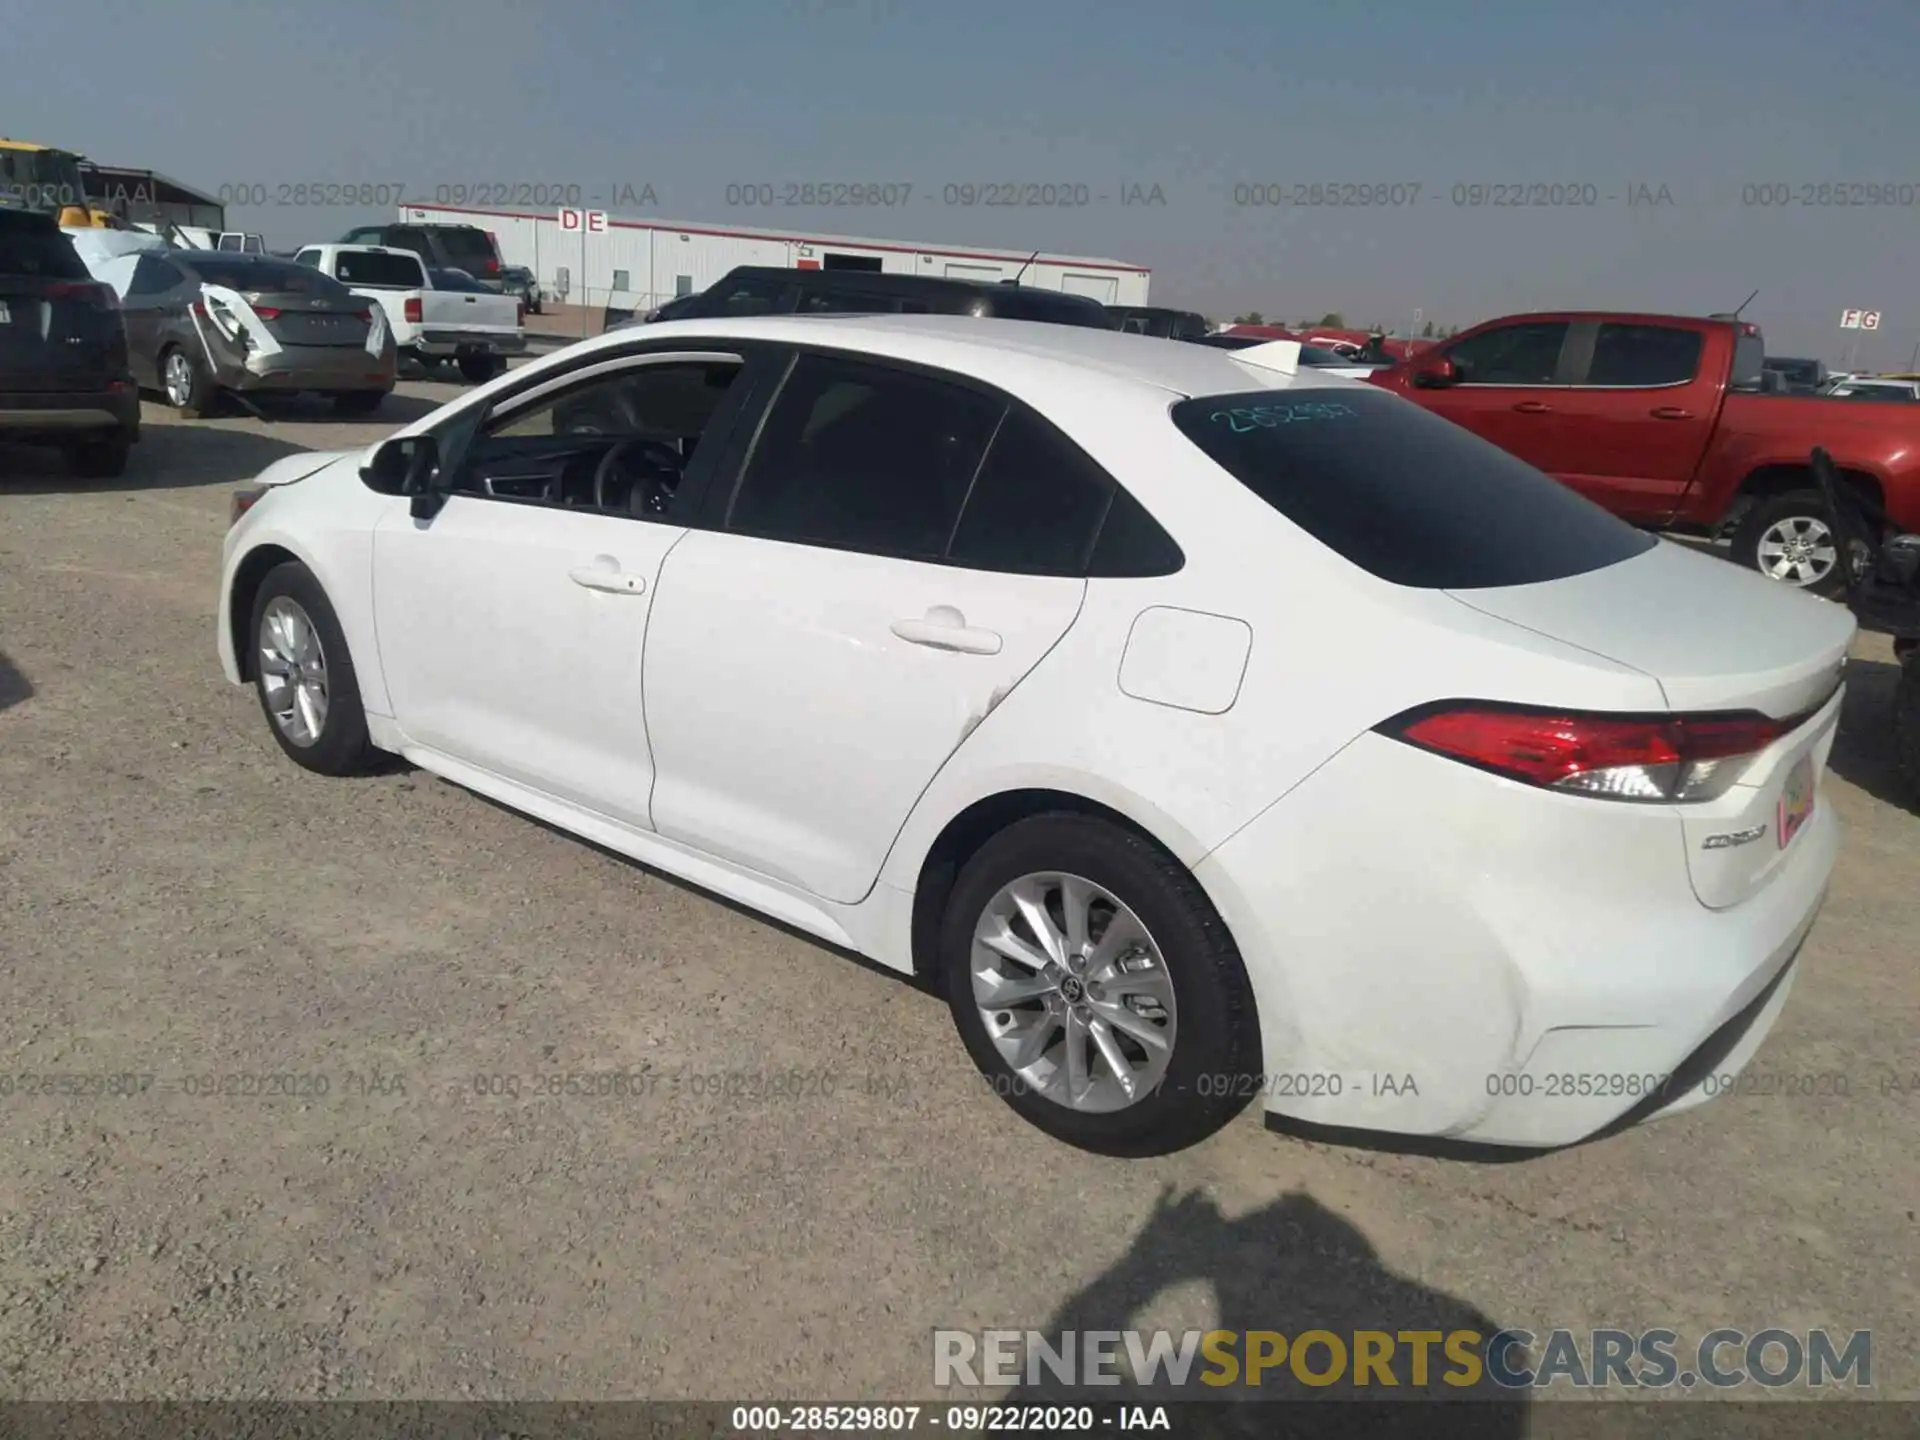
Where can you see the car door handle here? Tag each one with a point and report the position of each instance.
(1534, 407)
(945, 628)
(1670, 412)
(605, 574)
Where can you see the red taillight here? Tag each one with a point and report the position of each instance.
(267, 312)
(1616, 757)
(100, 297)
(413, 310)
(520, 313)
(200, 308)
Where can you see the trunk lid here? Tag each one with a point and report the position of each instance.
(1715, 638)
(314, 320)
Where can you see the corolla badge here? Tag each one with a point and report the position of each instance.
(1733, 838)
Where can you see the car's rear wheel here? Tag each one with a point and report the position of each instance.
(481, 368)
(1097, 989)
(359, 402)
(189, 389)
(101, 458)
(1790, 538)
(304, 675)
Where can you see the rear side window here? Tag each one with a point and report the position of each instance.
(380, 271)
(1644, 355)
(1036, 504)
(1407, 496)
(863, 457)
(31, 246)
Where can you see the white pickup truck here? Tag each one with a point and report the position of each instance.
(477, 329)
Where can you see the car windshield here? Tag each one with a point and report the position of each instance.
(1402, 493)
(278, 277)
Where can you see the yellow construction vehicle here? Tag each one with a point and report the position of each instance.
(41, 177)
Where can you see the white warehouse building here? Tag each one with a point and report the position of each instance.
(636, 264)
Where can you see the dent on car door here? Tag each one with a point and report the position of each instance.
(511, 623)
(815, 657)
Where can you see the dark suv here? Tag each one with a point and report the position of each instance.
(443, 247)
(1157, 320)
(766, 290)
(64, 378)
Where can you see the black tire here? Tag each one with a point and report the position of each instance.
(359, 402)
(1906, 727)
(101, 458)
(481, 368)
(1764, 515)
(202, 394)
(342, 747)
(1216, 1051)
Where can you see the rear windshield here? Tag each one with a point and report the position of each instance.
(468, 248)
(280, 277)
(1025, 305)
(30, 245)
(1405, 495)
(379, 271)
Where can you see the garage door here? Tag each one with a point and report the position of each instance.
(990, 274)
(1104, 288)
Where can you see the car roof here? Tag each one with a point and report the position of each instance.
(888, 280)
(987, 348)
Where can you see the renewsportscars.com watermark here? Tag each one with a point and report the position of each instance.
(1380, 1360)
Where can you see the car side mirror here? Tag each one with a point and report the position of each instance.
(1436, 375)
(409, 465)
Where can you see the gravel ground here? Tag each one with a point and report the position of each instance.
(178, 901)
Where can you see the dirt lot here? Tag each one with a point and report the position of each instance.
(177, 900)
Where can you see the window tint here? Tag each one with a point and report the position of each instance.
(467, 247)
(1644, 355)
(1035, 505)
(749, 297)
(32, 246)
(410, 237)
(861, 457)
(1525, 354)
(378, 270)
(1404, 494)
(153, 276)
(844, 302)
(281, 277)
(1132, 545)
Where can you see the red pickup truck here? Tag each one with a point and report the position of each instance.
(1666, 421)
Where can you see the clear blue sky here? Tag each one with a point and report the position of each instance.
(689, 96)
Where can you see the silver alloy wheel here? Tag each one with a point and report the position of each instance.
(179, 378)
(1074, 992)
(1797, 549)
(293, 671)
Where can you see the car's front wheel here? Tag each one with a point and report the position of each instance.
(304, 675)
(1097, 989)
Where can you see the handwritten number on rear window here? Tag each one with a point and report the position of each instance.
(1268, 417)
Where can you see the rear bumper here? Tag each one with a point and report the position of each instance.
(70, 414)
(1436, 952)
(312, 367)
(455, 342)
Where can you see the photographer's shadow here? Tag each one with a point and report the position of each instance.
(1291, 1267)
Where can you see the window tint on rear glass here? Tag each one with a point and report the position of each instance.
(863, 457)
(378, 270)
(1035, 505)
(470, 250)
(1402, 493)
(1524, 354)
(30, 247)
(1642, 355)
(279, 277)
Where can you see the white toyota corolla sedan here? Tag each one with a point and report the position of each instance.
(1208, 731)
